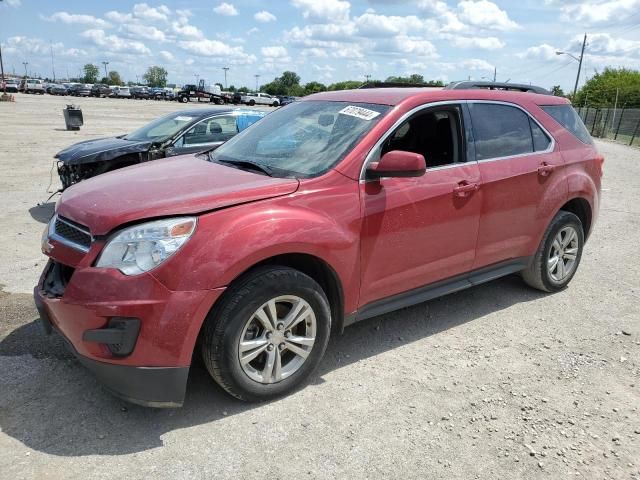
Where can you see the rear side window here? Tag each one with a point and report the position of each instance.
(500, 131)
(566, 116)
(540, 139)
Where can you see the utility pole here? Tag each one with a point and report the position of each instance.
(367, 77)
(575, 88)
(105, 68)
(257, 77)
(53, 69)
(4, 85)
(25, 68)
(226, 69)
(495, 72)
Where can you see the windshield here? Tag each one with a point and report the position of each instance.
(163, 127)
(303, 139)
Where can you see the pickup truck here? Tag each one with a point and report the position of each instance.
(260, 99)
(32, 85)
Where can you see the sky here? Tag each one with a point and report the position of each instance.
(323, 40)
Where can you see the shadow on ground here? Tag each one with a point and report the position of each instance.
(42, 212)
(51, 404)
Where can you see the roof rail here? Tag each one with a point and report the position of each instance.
(378, 84)
(517, 87)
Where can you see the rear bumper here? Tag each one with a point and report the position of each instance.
(147, 386)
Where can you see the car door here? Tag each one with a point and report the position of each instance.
(417, 231)
(517, 158)
(205, 135)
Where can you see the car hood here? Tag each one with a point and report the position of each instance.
(99, 150)
(176, 186)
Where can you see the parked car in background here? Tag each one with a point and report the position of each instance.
(58, 89)
(140, 93)
(120, 92)
(80, 90)
(178, 133)
(285, 99)
(343, 206)
(32, 85)
(260, 99)
(12, 85)
(100, 90)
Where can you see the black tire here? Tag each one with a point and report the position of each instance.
(252, 102)
(225, 323)
(184, 99)
(275, 104)
(537, 275)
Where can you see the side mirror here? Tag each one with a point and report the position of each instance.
(398, 163)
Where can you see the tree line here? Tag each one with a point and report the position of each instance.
(606, 88)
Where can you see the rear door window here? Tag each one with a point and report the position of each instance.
(500, 131)
(566, 116)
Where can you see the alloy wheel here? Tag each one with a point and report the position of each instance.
(277, 339)
(563, 254)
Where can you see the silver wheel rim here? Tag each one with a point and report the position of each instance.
(563, 254)
(277, 339)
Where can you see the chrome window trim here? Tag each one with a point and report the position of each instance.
(417, 109)
(54, 236)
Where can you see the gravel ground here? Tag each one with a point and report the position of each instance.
(499, 381)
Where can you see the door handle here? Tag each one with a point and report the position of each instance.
(464, 189)
(544, 170)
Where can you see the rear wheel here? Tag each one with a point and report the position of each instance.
(558, 256)
(268, 333)
(252, 102)
(184, 99)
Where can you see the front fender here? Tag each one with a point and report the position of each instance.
(228, 242)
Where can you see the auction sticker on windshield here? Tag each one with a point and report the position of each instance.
(359, 112)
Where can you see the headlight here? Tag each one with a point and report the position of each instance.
(140, 248)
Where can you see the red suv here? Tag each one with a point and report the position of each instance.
(336, 208)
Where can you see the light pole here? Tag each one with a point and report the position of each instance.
(367, 77)
(105, 68)
(25, 68)
(53, 68)
(579, 60)
(226, 69)
(257, 77)
(197, 79)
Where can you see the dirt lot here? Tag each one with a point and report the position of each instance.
(497, 382)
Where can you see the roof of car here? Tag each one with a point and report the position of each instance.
(395, 96)
(206, 111)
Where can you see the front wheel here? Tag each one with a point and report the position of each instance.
(268, 333)
(558, 256)
(184, 99)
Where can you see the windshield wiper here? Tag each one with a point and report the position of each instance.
(248, 165)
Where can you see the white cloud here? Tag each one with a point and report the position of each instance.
(324, 11)
(485, 14)
(38, 47)
(485, 43)
(406, 45)
(605, 44)
(594, 12)
(12, 3)
(118, 17)
(113, 43)
(76, 19)
(215, 48)
(315, 52)
(542, 52)
(374, 25)
(145, 12)
(147, 32)
(226, 9)
(253, 30)
(186, 30)
(264, 17)
(274, 52)
(476, 64)
(166, 56)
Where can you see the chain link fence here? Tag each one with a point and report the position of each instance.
(619, 124)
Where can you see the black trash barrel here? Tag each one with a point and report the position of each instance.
(73, 117)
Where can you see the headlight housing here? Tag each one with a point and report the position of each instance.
(140, 248)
